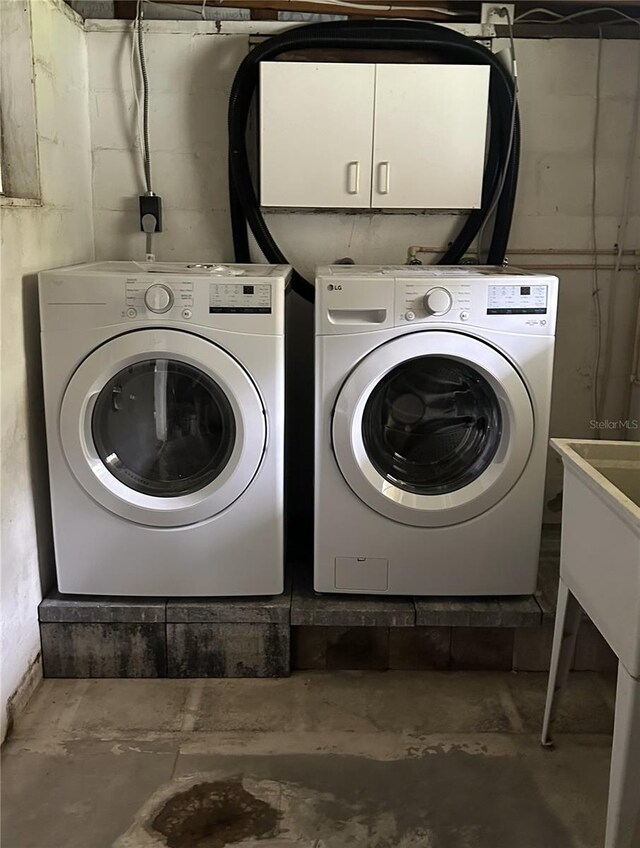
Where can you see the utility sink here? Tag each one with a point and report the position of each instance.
(600, 560)
(600, 574)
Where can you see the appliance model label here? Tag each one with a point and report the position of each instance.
(245, 298)
(517, 300)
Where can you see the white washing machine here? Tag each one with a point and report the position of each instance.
(164, 400)
(433, 389)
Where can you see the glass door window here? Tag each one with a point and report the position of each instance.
(432, 428)
(432, 425)
(163, 428)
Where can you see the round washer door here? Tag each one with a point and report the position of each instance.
(162, 427)
(433, 428)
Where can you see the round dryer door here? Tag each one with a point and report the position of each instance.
(433, 428)
(162, 427)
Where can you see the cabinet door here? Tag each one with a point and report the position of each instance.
(316, 126)
(429, 136)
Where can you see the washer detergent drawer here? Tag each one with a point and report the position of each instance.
(369, 574)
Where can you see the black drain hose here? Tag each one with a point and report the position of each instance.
(406, 35)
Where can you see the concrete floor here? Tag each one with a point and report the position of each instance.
(320, 760)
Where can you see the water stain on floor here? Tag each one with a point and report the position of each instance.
(214, 814)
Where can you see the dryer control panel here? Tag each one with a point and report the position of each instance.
(241, 298)
(237, 298)
(157, 297)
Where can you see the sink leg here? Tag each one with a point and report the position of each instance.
(623, 813)
(568, 613)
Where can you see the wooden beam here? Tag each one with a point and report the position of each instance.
(264, 9)
(264, 15)
(124, 9)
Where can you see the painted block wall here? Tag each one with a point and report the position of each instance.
(91, 176)
(59, 231)
(191, 67)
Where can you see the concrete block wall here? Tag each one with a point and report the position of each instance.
(57, 230)
(91, 175)
(191, 67)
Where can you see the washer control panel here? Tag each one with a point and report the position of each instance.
(243, 298)
(152, 297)
(365, 299)
(421, 300)
(517, 300)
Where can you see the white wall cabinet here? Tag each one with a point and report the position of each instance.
(315, 127)
(388, 136)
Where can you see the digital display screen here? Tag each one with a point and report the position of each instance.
(517, 300)
(237, 298)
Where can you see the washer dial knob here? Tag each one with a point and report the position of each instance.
(437, 301)
(158, 298)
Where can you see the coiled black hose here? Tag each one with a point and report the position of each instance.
(406, 35)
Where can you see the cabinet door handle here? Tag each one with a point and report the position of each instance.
(353, 177)
(383, 178)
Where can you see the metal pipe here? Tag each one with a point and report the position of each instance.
(534, 251)
(579, 267)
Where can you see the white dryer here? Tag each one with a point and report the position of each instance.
(433, 390)
(164, 400)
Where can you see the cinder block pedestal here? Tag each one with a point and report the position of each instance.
(232, 637)
(91, 636)
(87, 636)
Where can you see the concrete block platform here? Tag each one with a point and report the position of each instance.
(86, 636)
(229, 637)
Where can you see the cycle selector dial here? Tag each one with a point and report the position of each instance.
(437, 301)
(158, 298)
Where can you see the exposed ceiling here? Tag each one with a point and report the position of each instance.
(577, 19)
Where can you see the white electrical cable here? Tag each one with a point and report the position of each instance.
(144, 152)
(512, 130)
(595, 289)
(134, 84)
(558, 18)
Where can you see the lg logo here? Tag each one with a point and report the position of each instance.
(331, 287)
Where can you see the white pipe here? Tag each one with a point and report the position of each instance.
(578, 266)
(414, 249)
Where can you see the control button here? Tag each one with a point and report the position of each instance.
(158, 298)
(438, 301)
(187, 313)
(410, 315)
(131, 312)
(464, 315)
